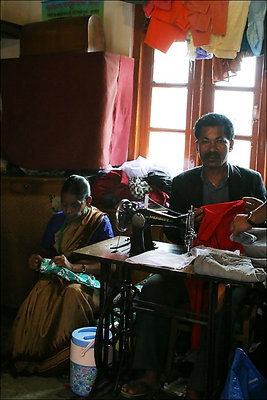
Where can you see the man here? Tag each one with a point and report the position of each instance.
(216, 181)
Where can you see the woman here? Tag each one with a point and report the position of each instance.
(41, 332)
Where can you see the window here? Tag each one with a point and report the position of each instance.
(173, 93)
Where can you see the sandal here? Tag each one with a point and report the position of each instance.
(146, 391)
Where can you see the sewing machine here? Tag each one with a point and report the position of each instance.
(141, 219)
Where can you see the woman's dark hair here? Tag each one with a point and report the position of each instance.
(213, 119)
(78, 185)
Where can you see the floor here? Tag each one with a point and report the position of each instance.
(54, 388)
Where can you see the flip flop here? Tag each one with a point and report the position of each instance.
(147, 390)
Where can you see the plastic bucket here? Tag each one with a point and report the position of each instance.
(83, 370)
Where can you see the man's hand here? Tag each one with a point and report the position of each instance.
(251, 203)
(199, 214)
(240, 224)
(61, 261)
(35, 261)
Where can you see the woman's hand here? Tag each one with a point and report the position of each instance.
(240, 224)
(62, 261)
(35, 261)
(251, 203)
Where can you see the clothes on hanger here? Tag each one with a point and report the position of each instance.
(228, 46)
(206, 17)
(255, 27)
(166, 27)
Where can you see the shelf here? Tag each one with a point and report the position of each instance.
(10, 30)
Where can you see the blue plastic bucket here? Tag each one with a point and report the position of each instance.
(83, 370)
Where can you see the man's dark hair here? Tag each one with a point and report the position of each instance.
(78, 185)
(213, 119)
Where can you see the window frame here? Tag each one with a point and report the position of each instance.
(200, 101)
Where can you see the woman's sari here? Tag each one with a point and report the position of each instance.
(41, 332)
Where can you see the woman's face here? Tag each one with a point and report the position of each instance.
(72, 207)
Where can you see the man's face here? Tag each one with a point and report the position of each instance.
(213, 146)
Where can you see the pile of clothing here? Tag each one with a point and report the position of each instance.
(132, 181)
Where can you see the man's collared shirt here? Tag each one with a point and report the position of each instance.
(215, 194)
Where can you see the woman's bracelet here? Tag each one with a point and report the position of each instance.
(83, 269)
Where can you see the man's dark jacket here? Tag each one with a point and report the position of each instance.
(187, 189)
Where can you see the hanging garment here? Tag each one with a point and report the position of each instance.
(152, 4)
(206, 17)
(224, 68)
(228, 45)
(255, 29)
(166, 27)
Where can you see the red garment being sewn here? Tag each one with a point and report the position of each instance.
(214, 231)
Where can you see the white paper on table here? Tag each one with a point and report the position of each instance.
(161, 258)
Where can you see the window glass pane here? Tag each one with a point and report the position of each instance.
(168, 108)
(167, 148)
(238, 107)
(171, 67)
(245, 77)
(240, 155)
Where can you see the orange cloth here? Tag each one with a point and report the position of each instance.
(150, 5)
(204, 17)
(166, 27)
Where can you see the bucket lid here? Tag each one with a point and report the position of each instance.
(82, 336)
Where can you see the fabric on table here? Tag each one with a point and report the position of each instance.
(256, 250)
(206, 17)
(228, 266)
(228, 45)
(166, 27)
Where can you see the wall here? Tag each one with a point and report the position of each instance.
(118, 24)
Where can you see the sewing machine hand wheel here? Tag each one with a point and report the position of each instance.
(123, 215)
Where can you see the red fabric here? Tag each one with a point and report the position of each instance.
(166, 27)
(206, 17)
(150, 5)
(224, 68)
(117, 183)
(122, 113)
(214, 231)
(58, 110)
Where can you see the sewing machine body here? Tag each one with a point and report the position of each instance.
(142, 219)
